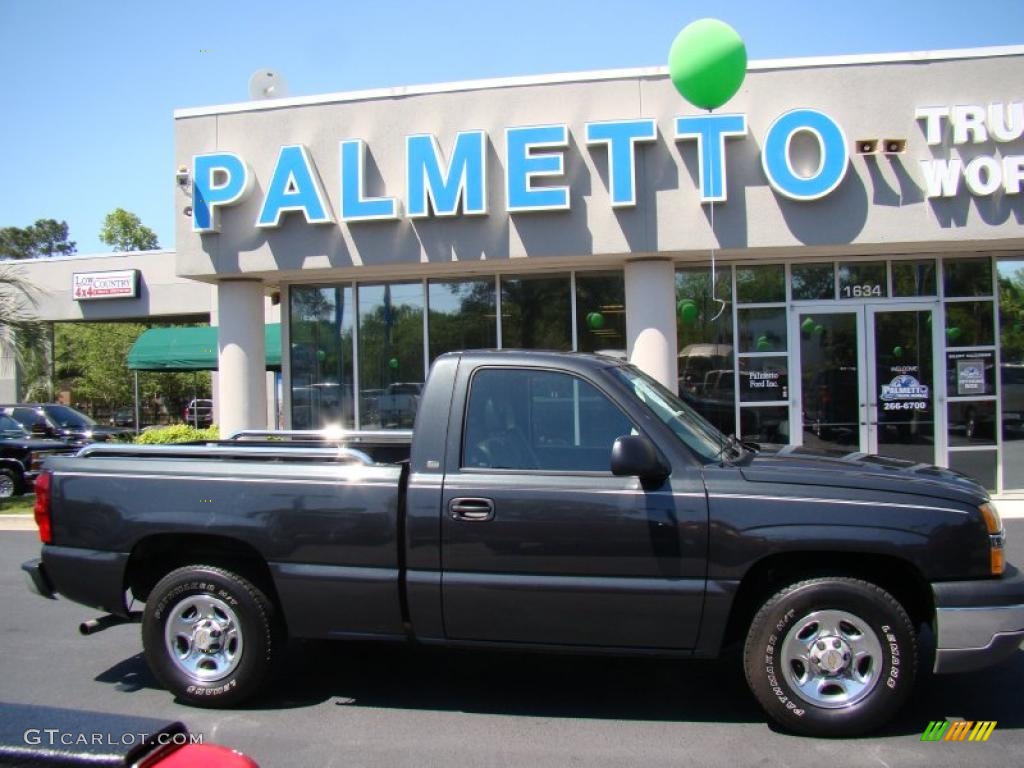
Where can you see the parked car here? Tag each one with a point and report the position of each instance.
(199, 412)
(123, 417)
(543, 501)
(398, 404)
(61, 422)
(21, 457)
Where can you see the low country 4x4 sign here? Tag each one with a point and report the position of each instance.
(121, 284)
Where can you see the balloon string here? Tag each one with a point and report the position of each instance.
(714, 280)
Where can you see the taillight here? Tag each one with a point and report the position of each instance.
(199, 756)
(42, 508)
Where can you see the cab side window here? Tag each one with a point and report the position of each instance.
(546, 420)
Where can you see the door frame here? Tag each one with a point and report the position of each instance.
(864, 312)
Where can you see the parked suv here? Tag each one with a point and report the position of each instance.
(21, 457)
(61, 422)
(199, 412)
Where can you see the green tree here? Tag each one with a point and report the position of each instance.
(47, 237)
(124, 231)
(91, 361)
(20, 328)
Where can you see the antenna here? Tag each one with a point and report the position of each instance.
(267, 84)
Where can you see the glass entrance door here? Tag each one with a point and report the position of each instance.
(867, 379)
(901, 394)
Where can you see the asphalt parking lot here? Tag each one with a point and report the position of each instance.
(358, 705)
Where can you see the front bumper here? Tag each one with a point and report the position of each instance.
(978, 623)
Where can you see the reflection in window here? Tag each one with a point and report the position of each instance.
(969, 323)
(863, 280)
(913, 278)
(704, 330)
(462, 316)
(535, 312)
(321, 356)
(601, 313)
(813, 281)
(981, 465)
(967, 277)
(762, 330)
(527, 419)
(972, 423)
(1011, 370)
(763, 283)
(390, 354)
(767, 425)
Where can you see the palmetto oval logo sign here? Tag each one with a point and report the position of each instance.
(904, 387)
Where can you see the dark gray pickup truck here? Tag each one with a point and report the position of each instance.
(544, 501)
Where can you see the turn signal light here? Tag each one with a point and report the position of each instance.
(991, 515)
(42, 508)
(998, 561)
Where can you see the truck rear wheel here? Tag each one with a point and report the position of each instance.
(210, 635)
(831, 657)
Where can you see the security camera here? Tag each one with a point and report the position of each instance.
(182, 177)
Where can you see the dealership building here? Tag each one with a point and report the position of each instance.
(833, 259)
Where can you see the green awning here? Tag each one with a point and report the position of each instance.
(190, 349)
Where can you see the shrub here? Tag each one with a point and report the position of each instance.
(177, 433)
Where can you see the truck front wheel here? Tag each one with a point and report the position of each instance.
(831, 657)
(209, 635)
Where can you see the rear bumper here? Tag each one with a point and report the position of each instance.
(38, 581)
(978, 623)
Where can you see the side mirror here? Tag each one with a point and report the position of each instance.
(635, 455)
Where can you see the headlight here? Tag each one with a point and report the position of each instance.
(996, 537)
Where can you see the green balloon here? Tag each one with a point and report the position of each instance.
(897, 351)
(393, 363)
(954, 333)
(807, 325)
(595, 321)
(818, 329)
(763, 344)
(688, 312)
(321, 355)
(707, 63)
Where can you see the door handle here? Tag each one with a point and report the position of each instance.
(471, 509)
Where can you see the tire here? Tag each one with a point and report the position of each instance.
(10, 483)
(210, 636)
(831, 657)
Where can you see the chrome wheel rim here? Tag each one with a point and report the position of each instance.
(203, 638)
(6, 486)
(832, 659)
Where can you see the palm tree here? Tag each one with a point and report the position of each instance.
(21, 331)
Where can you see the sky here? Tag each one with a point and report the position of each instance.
(89, 86)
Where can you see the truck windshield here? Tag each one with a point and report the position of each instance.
(688, 425)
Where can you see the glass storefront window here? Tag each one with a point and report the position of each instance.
(763, 379)
(760, 284)
(913, 278)
(970, 374)
(967, 277)
(601, 312)
(981, 465)
(969, 324)
(762, 330)
(321, 356)
(390, 354)
(813, 281)
(767, 425)
(704, 331)
(1011, 370)
(972, 423)
(462, 315)
(536, 312)
(863, 280)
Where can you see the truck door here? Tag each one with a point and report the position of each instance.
(542, 544)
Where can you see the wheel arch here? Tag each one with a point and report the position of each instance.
(899, 577)
(155, 556)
